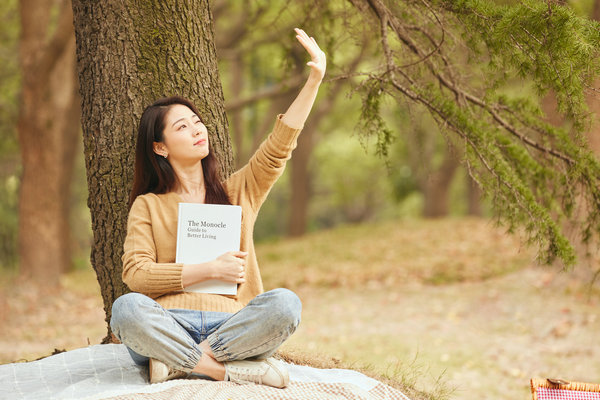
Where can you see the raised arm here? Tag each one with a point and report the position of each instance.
(298, 111)
(253, 181)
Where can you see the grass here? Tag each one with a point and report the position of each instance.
(441, 309)
(388, 254)
(376, 260)
(402, 377)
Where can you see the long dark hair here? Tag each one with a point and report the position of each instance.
(153, 173)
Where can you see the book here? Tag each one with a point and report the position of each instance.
(205, 232)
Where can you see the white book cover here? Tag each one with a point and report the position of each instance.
(204, 232)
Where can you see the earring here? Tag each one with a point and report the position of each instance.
(164, 155)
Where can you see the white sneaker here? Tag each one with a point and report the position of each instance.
(270, 372)
(159, 372)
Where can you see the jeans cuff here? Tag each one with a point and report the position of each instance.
(192, 360)
(217, 347)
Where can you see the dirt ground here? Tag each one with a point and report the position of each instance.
(481, 340)
(483, 333)
(484, 340)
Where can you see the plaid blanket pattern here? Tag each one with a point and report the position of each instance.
(562, 394)
(559, 389)
(200, 389)
(102, 372)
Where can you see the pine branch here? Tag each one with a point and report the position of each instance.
(522, 166)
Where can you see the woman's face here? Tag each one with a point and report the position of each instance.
(185, 138)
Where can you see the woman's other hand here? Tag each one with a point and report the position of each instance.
(231, 267)
(318, 62)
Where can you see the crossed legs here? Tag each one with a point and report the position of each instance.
(200, 341)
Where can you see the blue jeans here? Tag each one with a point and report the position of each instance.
(172, 336)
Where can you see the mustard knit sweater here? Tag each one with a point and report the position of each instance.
(149, 250)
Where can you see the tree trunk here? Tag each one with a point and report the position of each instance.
(48, 127)
(473, 197)
(130, 53)
(437, 188)
(596, 11)
(593, 133)
(300, 181)
(237, 85)
(550, 107)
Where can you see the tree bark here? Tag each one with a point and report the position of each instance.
(437, 188)
(48, 128)
(593, 101)
(473, 197)
(237, 85)
(596, 11)
(300, 184)
(130, 53)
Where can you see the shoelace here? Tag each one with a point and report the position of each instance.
(245, 375)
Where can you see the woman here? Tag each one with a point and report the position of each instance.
(178, 332)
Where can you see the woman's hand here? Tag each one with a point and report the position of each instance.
(318, 62)
(231, 267)
(298, 111)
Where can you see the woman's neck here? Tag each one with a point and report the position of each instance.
(190, 182)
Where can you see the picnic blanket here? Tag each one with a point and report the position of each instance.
(558, 389)
(108, 372)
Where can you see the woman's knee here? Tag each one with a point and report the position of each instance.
(288, 305)
(126, 310)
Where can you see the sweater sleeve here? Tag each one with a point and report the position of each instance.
(141, 272)
(257, 177)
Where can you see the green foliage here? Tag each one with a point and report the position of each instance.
(545, 43)
(271, 56)
(371, 120)
(353, 186)
(8, 216)
(9, 170)
(461, 61)
(9, 76)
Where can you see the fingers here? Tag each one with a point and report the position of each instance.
(303, 37)
(241, 275)
(309, 43)
(301, 34)
(318, 62)
(232, 266)
(239, 254)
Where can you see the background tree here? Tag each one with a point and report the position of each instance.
(246, 48)
(593, 134)
(129, 54)
(9, 150)
(489, 66)
(533, 172)
(259, 88)
(523, 163)
(48, 129)
(256, 87)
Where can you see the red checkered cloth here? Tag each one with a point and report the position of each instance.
(545, 389)
(561, 394)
